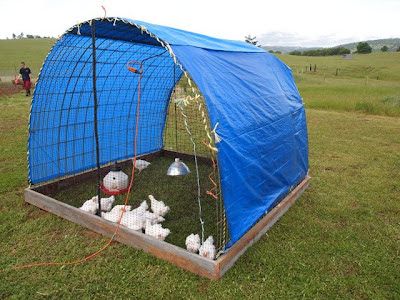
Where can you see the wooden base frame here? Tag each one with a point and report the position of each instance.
(213, 269)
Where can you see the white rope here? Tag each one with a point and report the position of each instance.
(181, 102)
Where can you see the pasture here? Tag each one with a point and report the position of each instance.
(341, 240)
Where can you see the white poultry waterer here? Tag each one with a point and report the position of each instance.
(115, 182)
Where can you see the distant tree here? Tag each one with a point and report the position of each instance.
(275, 52)
(295, 52)
(384, 48)
(327, 51)
(37, 36)
(324, 52)
(20, 36)
(29, 36)
(251, 40)
(364, 48)
(14, 36)
(398, 49)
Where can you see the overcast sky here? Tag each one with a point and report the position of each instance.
(278, 22)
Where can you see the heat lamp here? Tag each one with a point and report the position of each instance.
(178, 168)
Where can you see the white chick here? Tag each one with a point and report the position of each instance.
(106, 203)
(110, 216)
(158, 207)
(193, 243)
(119, 208)
(141, 164)
(156, 231)
(153, 218)
(142, 208)
(208, 249)
(133, 221)
(115, 213)
(89, 206)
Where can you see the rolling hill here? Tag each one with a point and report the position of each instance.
(392, 44)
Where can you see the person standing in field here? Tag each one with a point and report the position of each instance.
(25, 72)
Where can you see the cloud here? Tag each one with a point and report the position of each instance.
(279, 38)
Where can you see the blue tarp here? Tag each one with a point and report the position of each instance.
(251, 94)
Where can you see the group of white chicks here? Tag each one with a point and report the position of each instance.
(138, 219)
(141, 219)
(207, 249)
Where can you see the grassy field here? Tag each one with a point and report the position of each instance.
(366, 83)
(32, 52)
(341, 240)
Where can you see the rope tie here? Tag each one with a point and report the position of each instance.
(105, 11)
(217, 138)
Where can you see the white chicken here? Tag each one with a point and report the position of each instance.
(119, 208)
(193, 243)
(141, 164)
(156, 230)
(153, 218)
(158, 207)
(106, 203)
(142, 207)
(135, 221)
(208, 249)
(91, 206)
(115, 213)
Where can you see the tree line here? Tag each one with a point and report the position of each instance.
(27, 36)
(322, 52)
(362, 48)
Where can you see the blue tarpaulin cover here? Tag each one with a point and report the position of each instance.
(250, 93)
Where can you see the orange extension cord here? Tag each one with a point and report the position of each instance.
(94, 254)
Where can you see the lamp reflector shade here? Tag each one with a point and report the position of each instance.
(178, 168)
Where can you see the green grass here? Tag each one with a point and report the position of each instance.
(31, 51)
(385, 66)
(341, 240)
(363, 83)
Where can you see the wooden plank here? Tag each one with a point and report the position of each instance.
(176, 255)
(226, 261)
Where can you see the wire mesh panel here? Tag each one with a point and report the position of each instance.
(175, 135)
(62, 118)
(178, 134)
